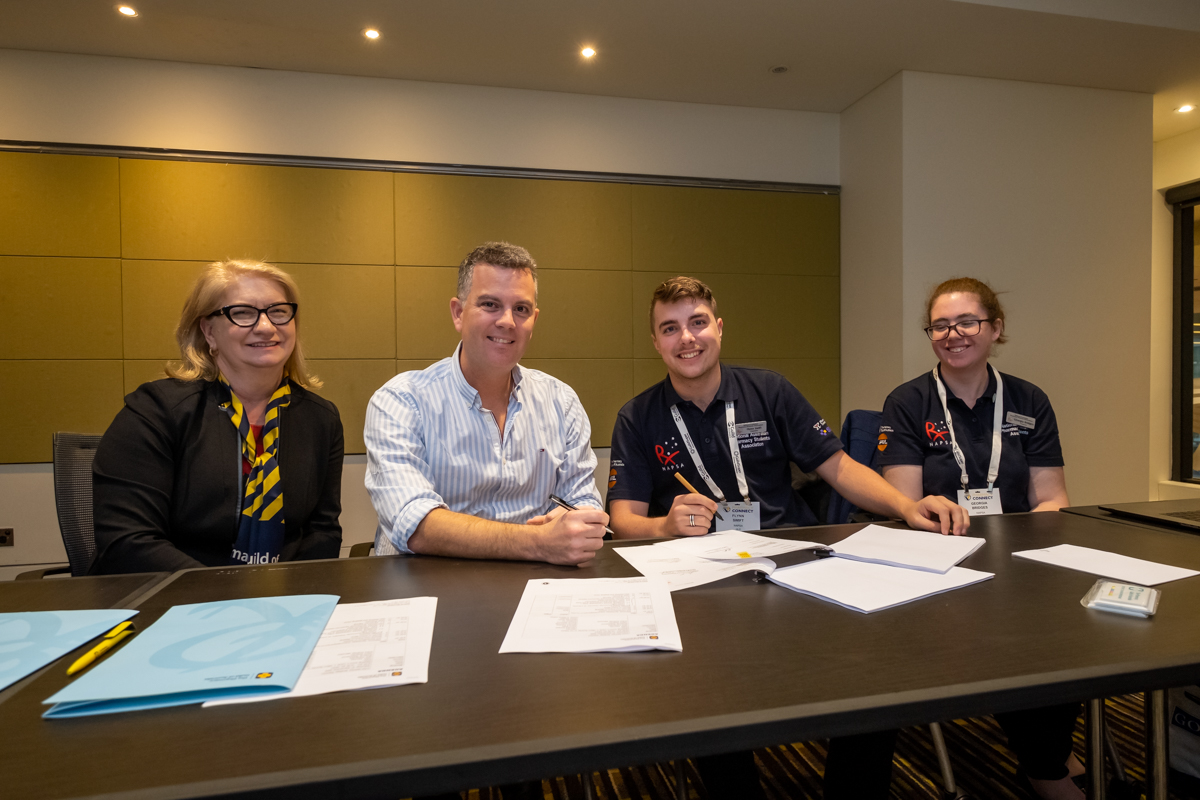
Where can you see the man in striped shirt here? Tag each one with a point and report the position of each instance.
(462, 457)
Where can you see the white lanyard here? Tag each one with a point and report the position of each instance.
(734, 450)
(997, 418)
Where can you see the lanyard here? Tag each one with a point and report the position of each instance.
(734, 450)
(997, 417)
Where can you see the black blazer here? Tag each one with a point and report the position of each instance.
(168, 480)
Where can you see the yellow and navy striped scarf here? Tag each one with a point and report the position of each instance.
(261, 525)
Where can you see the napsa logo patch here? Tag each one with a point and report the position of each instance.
(937, 433)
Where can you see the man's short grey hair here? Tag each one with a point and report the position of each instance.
(499, 254)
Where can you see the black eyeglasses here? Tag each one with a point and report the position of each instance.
(966, 327)
(248, 316)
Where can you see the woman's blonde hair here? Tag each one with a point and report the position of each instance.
(196, 361)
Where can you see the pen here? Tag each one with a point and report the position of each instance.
(107, 643)
(559, 501)
(692, 489)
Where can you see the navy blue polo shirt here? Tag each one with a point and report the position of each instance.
(913, 431)
(775, 425)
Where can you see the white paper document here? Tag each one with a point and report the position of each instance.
(1107, 565)
(733, 545)
(867, 587)
(366, 646)
(593, 615)
(920, 550)
(678, 570)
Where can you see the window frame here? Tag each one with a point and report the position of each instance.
(1183, 201)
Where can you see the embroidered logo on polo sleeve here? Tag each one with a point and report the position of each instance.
(821, 428)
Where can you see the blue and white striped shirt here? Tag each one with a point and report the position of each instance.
(431, 444)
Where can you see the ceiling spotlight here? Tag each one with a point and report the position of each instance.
(1184, 109)
(778, 70)
(371, 33)
(128, 11)
(587, 52)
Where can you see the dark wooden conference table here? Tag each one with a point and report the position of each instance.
(761, 665)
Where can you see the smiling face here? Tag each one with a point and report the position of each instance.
(688, 337)
(262, 347)
(496, 320)
(958, 352)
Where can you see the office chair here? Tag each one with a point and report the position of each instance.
(73, 457)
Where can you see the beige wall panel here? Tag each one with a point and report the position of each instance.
(564, 224)
(180, 210)
(765, 316)
(53, 205)
(60, 307)
(409, 364)
(583, 314)
(347, 311)
(818, 379)
(152, 299)
(686, 230)
(423, 325)
(80, 396)
(349, 385)
(139, 372)
(646, 373)
(603, 386)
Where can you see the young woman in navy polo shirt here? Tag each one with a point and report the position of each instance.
(989, 442)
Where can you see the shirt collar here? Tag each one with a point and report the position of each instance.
(725, 392)
(468, 391)
(989, 393)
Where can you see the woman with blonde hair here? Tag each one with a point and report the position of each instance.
(231, 459)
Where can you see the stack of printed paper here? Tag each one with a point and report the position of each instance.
(1107, 565)
(593, 615)
(29, 640)
(205, 651)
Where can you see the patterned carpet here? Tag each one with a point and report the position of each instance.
(983, 767)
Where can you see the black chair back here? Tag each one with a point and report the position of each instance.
(73, 456)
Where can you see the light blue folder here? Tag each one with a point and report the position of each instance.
(29, 640)
(205, 651)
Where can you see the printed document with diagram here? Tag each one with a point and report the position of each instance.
(593, 615)
(366, 646)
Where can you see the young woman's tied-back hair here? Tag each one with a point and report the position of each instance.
(987, 299)
(196, 362)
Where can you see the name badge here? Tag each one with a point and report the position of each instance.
(1020, 420)
(980, 502)
(739, 517)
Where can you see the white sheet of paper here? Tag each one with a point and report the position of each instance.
(366, 646)
(867, 587)
(1107, 565)
(921, 550)
(682, 571)
(593, 615)
(734, 545)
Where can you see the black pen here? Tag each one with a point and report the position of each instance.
(559, 501)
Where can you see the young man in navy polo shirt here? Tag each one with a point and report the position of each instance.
(731, 431)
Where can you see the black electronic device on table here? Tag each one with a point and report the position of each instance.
(1185, 513)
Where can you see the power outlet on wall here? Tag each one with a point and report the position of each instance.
(6, 537)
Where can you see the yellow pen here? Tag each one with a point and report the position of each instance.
(110, 640)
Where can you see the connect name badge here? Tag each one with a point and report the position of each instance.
(1020, 419)
(980, 502)
(740, 517)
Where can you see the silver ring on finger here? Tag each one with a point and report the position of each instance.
(691, 520)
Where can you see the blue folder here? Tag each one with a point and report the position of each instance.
(204, 651)
(29, 640)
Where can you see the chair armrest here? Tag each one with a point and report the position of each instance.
(360, 550)
(38, 574)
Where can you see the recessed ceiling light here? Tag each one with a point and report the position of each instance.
(371, 33)
(587, 52)
(1184, 109)
(128, 11)
(779, 70)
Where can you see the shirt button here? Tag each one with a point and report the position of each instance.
(707, 440)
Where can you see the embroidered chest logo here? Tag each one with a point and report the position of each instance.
(666, 453)
(937, 433)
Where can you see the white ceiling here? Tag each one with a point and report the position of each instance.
(702, 51)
